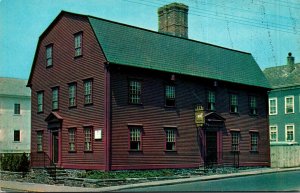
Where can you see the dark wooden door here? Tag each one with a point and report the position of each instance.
(55, 147)
(211, 147)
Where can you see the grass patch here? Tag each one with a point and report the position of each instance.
(93, 174)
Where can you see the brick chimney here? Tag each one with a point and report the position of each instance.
(173, 19)
(291, 62)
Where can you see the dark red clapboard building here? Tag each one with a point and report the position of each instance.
(110, 96)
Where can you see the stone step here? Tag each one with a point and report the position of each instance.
(56, 173)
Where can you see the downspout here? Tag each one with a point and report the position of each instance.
(107, 117)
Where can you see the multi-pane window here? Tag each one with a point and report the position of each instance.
(135, 90)
(88, 84)
(170, 95)
(39, 141)
(72, 133)
(273, 106)
(135, 138)
(72, 95)
(273, 133)
(88, 139)
(16, 135)
(55, 98)
(235, 140)
(290, 132)
(40, 101)
(78, 44)
(211, 100)
(289, 104)
(17, 109)
(254, 141)
(253, 105)
(170, 139)
(49, 51)
(233, 103)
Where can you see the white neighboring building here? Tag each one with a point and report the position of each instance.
(15, 116)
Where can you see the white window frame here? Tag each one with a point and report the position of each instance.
(276, 106)
(211, 100)
(135, 136)
(78, 44)
(39, 142)
(234, 103)
(88, 91)
(49, 55)
(72, 94)
(40, 101)
(254, 141)
(135, 92)
(276, 130)
(235, 141)
(72, 139)
(286, 126)
(88, 139)
(171, 138)
(285, 104)
(170, 95)
(55, 96)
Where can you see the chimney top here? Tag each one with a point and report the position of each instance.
(172, 5)
(291, 62)
(173, 19)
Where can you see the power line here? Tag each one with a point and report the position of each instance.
(234, 8)
(233, 18)
(242, 20)
(282, 5)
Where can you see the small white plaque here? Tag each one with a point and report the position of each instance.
(98, 134)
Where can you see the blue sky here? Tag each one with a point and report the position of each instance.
(268, 29)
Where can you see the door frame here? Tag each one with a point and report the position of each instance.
(218, 130)
(55, 134)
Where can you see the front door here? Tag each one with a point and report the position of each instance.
(211, 147)
(55, 147)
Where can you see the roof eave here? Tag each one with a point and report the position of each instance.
(267, 87)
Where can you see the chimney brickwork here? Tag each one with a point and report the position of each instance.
(173, 19)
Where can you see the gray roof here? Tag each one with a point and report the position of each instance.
(282, 77)
(14, 87)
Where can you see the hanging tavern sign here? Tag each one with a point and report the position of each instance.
(199, 115)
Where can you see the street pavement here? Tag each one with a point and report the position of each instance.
(281, 181)
(8, 186)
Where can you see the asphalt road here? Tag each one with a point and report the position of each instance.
(282, 181)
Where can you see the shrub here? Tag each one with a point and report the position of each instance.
(24, 164)
(14, 162)
(122, 174)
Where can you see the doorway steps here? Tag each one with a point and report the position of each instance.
(57, 174)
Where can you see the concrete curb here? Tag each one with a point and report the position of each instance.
(32, 187)
(198, 178)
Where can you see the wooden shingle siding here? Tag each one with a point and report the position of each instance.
(153, 116)
(67, 69)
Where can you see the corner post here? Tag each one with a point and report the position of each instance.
(107, 117)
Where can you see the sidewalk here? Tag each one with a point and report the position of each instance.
(31, 187)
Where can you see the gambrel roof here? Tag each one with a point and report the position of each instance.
(132, 46)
